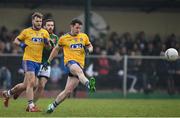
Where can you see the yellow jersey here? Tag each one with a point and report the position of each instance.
(34, 39)
(73, 47)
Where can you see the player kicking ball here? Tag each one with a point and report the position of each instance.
(75, 45)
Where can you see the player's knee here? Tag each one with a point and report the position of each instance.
(41, 87)
(30, 79)
(31, 83)
(75, 68)
(23, 87)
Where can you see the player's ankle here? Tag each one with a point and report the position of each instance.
(9, 93)
(87, 84)
(31, 104)
(54, 105)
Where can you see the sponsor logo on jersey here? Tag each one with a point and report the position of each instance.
(76, 46)
(37, 40)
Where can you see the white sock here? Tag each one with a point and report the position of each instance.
(52, 107)
(87, 84)
(31, 105)
(9, 93)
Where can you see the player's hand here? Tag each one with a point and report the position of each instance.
(86, 51)
(22, 45)
(45, 65)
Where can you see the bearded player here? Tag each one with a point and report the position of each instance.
(18, 89)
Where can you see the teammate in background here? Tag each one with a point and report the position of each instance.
(74, 44)
(43, 75)
(32, 40)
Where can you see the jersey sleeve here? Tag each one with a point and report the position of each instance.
(46, 35)
(87, 42)
(22, 35)
(61, 41)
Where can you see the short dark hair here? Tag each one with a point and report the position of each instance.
(47, 20)
(74, 21)
(37, 14)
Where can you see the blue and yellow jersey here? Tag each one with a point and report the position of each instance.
(34, 39)
(73, 47)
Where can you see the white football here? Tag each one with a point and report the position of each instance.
(171, 54)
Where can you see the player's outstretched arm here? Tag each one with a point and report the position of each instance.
(53, 54)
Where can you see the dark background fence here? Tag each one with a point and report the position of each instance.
(146, 76)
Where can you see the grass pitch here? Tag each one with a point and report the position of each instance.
(97, 108)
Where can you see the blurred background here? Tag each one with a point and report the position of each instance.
(129, 39)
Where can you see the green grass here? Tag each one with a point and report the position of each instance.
(98, 108)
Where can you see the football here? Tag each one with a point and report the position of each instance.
(171, 54)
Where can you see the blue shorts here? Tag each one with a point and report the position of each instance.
(70, 63)
(31, 66)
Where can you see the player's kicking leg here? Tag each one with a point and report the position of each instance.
(72, 82)
(90, 84)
